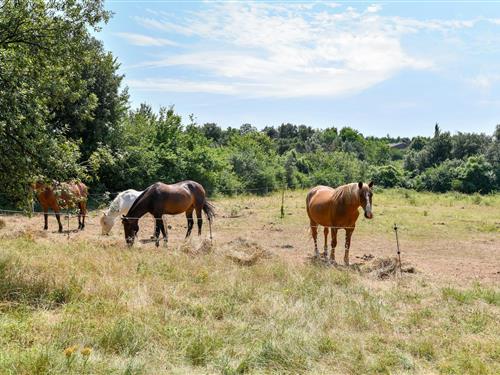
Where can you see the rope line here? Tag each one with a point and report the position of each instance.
(149, 218)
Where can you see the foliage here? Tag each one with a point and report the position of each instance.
(440, 178)
(387, 175)
(476, 175)
(42, 44)
(63, 115)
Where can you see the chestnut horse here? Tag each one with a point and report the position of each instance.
(160, 199)
(62, 195)
(337, 209)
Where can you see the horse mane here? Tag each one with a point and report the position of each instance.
(346, 194)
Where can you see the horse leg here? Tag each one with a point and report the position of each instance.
(325, 247)
(79, 216)
(46, 219)
(59, 221)
(314, 233)
(189, 215)
(83, 213)
(158, 223)
(200, 220)
(334, 244)
(348, 234)
(164, 232)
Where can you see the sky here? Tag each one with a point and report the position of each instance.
(380, 67)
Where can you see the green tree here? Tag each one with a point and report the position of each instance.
(387, 175)
(41, 44)
(254, 161)
(440, 178)
(477, 175)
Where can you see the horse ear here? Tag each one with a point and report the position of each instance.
(370, 185)
(360, 184)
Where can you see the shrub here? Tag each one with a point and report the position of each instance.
(387, 175)
(334, 169)
(477, 175)
(440, 178)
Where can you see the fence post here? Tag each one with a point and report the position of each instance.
(283, 201)
(67, 218)
(399, 251)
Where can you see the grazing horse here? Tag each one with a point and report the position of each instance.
(62, 195)
(336, 209)
(120, 206)
(160, 199)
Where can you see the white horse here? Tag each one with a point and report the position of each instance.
(120, 206)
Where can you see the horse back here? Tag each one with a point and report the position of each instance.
(179, 197)
(318, 205)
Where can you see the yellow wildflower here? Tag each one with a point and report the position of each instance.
(86, 351)
(68, 352)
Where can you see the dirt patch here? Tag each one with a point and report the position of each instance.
(244, 252)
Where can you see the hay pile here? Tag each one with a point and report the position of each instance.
(383, 268)
(244, 252)
(205, 247)
(26, 233)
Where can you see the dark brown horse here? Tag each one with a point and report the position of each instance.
(62, 195)
(336, 209)
(160, 199)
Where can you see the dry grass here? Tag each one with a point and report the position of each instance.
(192, 308)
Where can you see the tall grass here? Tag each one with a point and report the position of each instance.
(148, 311)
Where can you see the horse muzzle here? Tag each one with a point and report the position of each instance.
(369, 215)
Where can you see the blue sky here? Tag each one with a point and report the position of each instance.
(381, 67)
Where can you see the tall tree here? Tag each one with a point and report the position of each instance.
(41, 45)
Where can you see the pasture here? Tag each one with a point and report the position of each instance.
(253, 302)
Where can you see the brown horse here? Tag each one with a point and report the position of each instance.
(62, 195)
(336, 209)
(160, 199)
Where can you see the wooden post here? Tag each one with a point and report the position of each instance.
(283, 201)
(399, 251)
(67, 217)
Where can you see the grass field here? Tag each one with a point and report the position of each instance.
(253, 302)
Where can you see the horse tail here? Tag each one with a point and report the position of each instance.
(209, 210)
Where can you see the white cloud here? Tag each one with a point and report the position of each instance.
(374, 8)
(484, 81)
(145, 40)
(169, 85)
(280, 50)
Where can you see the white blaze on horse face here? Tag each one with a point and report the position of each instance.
(368, 207)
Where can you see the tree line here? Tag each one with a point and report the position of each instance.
(64, 115)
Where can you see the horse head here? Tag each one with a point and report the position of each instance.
(365, 197)
(106, 223)
(130, 227)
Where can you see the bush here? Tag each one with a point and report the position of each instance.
(440, 178)
(334, 169)
(477, 175)
(387, 175)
